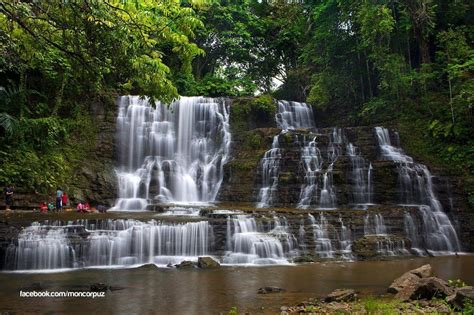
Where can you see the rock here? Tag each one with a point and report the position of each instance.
(266, 290)
(303, 259)
(99, 287)
(148, 267)
(284, 308)
(341, 295)
(410, 278)
(424, 271)
(431, 287)
(185, 264)
(207, 262)
(459, 297)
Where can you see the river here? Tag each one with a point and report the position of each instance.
(149, 290)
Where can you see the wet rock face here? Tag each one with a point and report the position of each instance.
(372, 246)
(207, 263)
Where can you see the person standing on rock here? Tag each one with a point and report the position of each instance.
(8, 192)
(59, 199)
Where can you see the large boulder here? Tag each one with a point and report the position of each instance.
(341, 295)
(432, 287)
(460, 296)
(207, 262)
(410, 278)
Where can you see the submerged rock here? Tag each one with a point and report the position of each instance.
(266, 290)
(99, 287)
(207, 262)
(341, 295)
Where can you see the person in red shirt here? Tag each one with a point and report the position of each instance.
(44, 207)
(64, 199)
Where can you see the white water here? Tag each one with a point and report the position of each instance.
(416, 188)
(316, 180)
(376, 226)
(361, 181)
(312, 164)
(323, 245)
(294, 115)
(345, 241)
(249, 243)
(270, 168)
(43, 247)
(112, 243)
(171, 153)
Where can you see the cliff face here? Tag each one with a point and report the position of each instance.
(94, 177)
(252, 135)
(251, 138)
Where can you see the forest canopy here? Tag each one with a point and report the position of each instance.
(409, 62)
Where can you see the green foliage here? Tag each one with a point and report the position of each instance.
(85, 47)
(263, 107)
(377, 306)
(458, 283)
(233, 310)
(468, 308)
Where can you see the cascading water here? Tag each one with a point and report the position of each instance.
(270, 166)
(376, 226)
(416, 188)
(290, 116)
(249, 243)
(323, 245)
(110, 243)
(294, 115)
(171, 153)
(360, 176)
(345, 241)
(314, 178)
(387, 245)
(412, 232)
(43, 247)
(312, 164)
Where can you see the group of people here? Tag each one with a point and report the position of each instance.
(62, 201)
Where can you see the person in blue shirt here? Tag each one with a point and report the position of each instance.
(59, 197)
(8, 192)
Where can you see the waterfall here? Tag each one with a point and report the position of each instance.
(270, 166)
(111, 243)
(412, 232)
(294, 115)
(43, 247)
(171, 153)
(387, 246)
(416, 187)
(312, 162)
(345, 241)
(376, 226)
(249, 242)
(323, 245)
(361, 184)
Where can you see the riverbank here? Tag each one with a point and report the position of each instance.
(195, 291)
